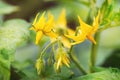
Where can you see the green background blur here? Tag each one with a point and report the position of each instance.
(109, 48)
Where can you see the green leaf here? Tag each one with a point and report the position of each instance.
(6, 8)
(12, 34)
(65, 74)
(48, 74)
(5, 59)
(117, 16)
(110, 12)
(109, 74)
(25, 70)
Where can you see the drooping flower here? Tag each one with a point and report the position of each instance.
(61, 58)
(85, 31)
(43, 27)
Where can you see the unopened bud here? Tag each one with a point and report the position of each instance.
(40, 65)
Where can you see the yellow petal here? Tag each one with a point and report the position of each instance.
(66, 61)
(59, 63)
(49, 25)
(80, 37)
(71, 32)
(90, 37)
(66, 42)
(75, 38)
(40, 24)
(34, 22)
(62, 19)
(66, 64)
(50, 16)
(35, 19)
(85, 28)
(42, 17)
(38, 36)
(77, 42)
(95, 28)
(51, 34)
(96, 23)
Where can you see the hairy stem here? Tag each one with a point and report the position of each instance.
(93, 53)
(76, 62)
(43, 51)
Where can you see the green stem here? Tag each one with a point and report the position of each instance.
(76, 62)
(43, 51)
(94, 50)
(74, 59)
(53, 48)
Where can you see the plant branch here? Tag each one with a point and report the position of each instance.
(74, 59)
(93, 53)
(43, 51)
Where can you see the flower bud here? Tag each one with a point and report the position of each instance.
(40, 65)
(61, 58)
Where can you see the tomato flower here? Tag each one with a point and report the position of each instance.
(43, 27)
(85, 31)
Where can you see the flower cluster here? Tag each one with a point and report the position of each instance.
(58, 31)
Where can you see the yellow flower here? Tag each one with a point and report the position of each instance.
(82, 31)
(61, 58)
(85, 31)
(43, 27)
(61, 29)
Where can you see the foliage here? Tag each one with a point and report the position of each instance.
(12, 34)
(55, 46)
(108, 74)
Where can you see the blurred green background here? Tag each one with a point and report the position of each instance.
(27, 53)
